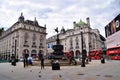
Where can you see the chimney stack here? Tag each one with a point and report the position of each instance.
(88, 21)
(74, 23)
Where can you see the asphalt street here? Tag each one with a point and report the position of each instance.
(93, 71)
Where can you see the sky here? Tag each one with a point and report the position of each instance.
(59, 13)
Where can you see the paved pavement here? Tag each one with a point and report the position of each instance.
(93, 71)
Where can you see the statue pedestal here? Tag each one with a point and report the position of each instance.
(58, 53)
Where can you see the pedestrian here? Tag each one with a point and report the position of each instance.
(102, 57)
(24, 62)
(42, 63)
(40, 56)
(30, 60)
(13, 60)
(87, 60)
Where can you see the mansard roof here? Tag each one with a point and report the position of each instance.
(29, 22)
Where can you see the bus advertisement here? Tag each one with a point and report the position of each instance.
(113, 53)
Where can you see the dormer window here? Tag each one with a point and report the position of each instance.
(26, 40)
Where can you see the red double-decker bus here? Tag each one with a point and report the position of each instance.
(113, 53)
(94, 54)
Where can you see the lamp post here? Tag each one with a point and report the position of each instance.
(15, 47)
(9, 56)
(83, 51)
(16, 51)
(89, 50)
(103, 55)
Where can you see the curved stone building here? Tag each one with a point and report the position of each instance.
(23, 37)
(71, 39)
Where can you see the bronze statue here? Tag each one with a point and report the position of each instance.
(56, 30)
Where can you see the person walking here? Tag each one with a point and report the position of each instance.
(30, 60)
(24, 62)
(13, 60)
(42, 62)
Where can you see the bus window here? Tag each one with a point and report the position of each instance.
(91, 53)
(94, 54)
(113, 53)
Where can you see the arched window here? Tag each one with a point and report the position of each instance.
(77, 42)
(34, 37)
(71, 43)
(41, 41)
(26, 36)
(41, 38)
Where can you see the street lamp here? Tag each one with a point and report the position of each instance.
(16, 51)
(89, 50)
(9, 55)
(15, 47)
(103, 54)
(83, 51)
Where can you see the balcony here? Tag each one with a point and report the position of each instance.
(25, 45)
(77, 47)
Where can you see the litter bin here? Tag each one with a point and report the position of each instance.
(102, 60)
(55, 66)
(13, 62)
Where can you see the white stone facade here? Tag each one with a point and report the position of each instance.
(23, 37)
(71, 39)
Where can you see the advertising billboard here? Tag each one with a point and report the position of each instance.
(112, 32)
(113, 26)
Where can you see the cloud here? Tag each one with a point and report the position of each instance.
(58, 13)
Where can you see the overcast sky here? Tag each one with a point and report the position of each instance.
(58, 13)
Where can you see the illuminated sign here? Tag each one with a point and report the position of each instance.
(49, 45)
(113, 26)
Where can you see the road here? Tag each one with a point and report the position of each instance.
(93, 71)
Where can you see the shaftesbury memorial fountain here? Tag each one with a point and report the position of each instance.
(57, 53)
(58, 48)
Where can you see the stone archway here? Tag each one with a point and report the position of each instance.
(41, 51)
(25, 53)
(72, 53)
(78, 54)
(33, 54)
